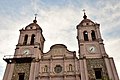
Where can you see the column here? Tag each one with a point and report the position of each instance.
(50, 78)
(8, 72)
(89, 36)
(114, 69)
(36, 71)
(31, 77)
(82, 70)
(51, 72)
(74, 68)
(37, 37)
(82, 50)
(85, 68)
(21, 39)
(40, 70)
(64, 77)
(109, 69)
(29, 39)
(98, 32)
(102, 49)
(64, 65)
(11, 71)
(80, 35)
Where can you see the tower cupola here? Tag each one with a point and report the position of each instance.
(33, 26)
(85, 21)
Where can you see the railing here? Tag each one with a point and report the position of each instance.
(17, 56)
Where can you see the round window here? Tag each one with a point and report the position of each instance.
(58, 68)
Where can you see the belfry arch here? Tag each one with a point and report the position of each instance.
(32, 39)
(85, 34)
(93, 35)
(25, 39)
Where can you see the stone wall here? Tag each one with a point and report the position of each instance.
(21, 68)
(96, 63)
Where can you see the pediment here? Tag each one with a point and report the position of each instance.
(60, 51)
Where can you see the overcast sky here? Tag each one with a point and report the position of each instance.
(58, 20)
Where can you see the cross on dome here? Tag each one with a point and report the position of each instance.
(35, 21)
(85, 17)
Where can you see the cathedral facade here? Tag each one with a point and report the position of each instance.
(29, 62)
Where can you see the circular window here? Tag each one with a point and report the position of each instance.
(58, 68)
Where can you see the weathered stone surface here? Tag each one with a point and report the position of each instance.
(21, 68)
(96, 63)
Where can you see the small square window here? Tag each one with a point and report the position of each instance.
(98, 73)
(21, 76)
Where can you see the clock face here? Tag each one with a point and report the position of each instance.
(58, 68)
(92, 49)
(26, 51)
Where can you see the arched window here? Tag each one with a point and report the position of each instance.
(46, 68)
(85, 33)
(93, 35)
(25, 39)
(70, 67)
(32, 39)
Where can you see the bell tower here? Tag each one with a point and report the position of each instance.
(94, 61)
(89, 39)
(24, 64)
(31, 40)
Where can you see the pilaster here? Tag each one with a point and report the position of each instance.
(8, 71)
(32, 69)
(109, 68)
(114, 69)
(82, 69)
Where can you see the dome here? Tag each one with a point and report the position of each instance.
(33, 25)
(86, 22)
(58, 46)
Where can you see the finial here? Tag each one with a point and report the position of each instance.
(85, 17)
(35, 21)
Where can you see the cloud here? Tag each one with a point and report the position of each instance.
(59, 24)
